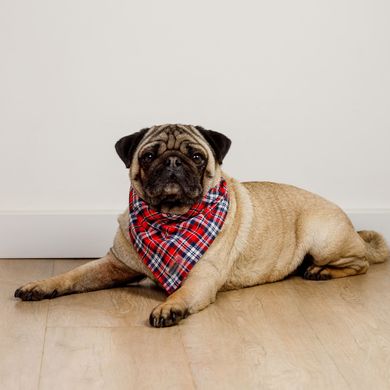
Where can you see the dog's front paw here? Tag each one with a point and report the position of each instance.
(168, 314)
(35, 291)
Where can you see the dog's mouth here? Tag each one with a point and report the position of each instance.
(172, 189)
(172, 195)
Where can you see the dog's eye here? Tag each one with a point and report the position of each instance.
(197, 157)
(147, 157)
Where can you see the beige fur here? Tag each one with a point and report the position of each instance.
(268, 231)
(266, 238)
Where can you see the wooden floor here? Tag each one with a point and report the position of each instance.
(294, 334)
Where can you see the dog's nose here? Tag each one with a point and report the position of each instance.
(173, 162)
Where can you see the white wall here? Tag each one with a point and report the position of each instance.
(302, 88)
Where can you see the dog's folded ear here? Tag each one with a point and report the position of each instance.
(220, 144)
(126, 146)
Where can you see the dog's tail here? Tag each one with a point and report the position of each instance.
(377, 250)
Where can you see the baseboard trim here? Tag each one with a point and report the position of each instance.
(58, 234)
(89, 234)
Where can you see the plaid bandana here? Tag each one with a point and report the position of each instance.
(170, 245)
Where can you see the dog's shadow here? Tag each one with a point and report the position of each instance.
(145, 288)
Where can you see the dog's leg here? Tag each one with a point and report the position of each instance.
(95, 275)
(337, 269)
(197, 292)
(342, 254)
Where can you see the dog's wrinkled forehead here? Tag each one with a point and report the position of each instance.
(172, 137)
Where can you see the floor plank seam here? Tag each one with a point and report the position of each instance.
(187, 359)
(44, 336)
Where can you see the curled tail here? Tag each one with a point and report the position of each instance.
(377, 250)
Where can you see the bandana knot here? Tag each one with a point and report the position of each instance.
(170, 245)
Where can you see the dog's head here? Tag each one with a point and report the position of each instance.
(173, 166)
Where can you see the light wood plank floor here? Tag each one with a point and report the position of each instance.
(294, 334)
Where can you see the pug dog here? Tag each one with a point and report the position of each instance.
(242, 233)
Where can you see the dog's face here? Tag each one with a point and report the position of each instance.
(173, 166)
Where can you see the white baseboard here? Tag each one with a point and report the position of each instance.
(90, 234)
(56, 234)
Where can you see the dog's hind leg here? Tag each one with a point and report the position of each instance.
(96, 275)
(339, 252)
(337, 269)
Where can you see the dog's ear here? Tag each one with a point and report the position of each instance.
(220, 144)
(126, 146)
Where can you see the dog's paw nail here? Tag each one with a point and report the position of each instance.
(153, 320)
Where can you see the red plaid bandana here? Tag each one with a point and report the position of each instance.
(170, 245)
